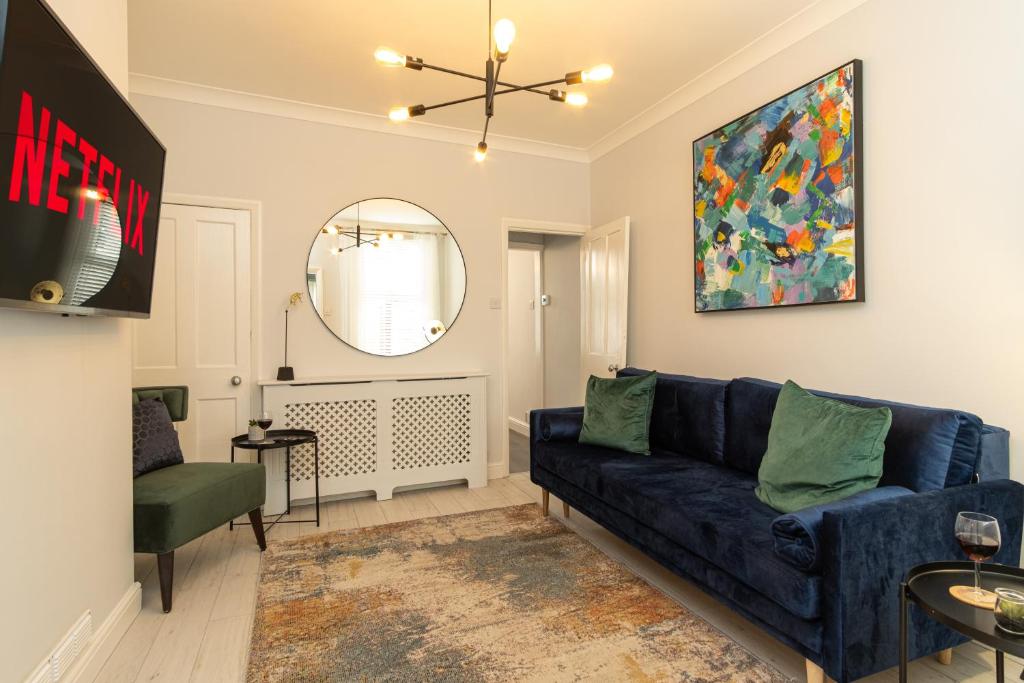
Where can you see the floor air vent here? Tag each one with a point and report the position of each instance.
(67, 651)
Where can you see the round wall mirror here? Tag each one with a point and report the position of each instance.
(386, 276)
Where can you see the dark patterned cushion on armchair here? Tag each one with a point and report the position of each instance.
(154, 441)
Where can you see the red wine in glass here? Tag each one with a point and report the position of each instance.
(978, 549)
(265, 420)
(978, 536)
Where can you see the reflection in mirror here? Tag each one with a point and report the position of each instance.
(386, 276)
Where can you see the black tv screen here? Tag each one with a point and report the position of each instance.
(80, 176)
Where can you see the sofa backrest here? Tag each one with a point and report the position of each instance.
(688, 415)
(926, 449)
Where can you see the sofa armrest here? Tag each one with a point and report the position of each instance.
(797, 535)
(868, 551)
(556, 424)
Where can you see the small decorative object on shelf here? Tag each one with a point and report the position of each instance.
(285, 373)
(256, 433)
(1009, 611)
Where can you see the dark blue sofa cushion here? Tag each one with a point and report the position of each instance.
(708, 509)
(798, 534)
(688, 416)
(927, 448)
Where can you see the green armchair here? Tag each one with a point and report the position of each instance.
(176, 504)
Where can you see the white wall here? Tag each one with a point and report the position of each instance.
(304, 172)
(65, 422)
(525, 340)
(943, 321)
(562, 382)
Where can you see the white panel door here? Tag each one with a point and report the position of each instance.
(525, 336)
(198, 333)
(605, 299)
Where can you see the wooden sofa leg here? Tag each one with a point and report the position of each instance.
(544, 501)
(565, 509)
(945, 657)
(165, 568)
(815, 674)
(256, 519)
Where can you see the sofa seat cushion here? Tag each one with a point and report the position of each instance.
(175, 504)
(709, 510)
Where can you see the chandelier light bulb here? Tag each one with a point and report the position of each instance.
(504, 34)
(601, 72)
(399, 114)
(481, 152)
(331, 229)
(576, 99)
(335, 251)
(385, 56)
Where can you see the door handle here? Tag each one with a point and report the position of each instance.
(613, 368)
(236, 380)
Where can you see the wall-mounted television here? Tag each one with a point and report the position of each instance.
(80, 176)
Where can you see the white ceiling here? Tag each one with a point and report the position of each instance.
(321, 52)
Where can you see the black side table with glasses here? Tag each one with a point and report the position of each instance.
(928, 585)
(286, 439)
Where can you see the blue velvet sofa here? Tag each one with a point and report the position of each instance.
(824, 581)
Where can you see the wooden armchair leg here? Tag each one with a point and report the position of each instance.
(565, 509)
(544, 501)
(165, 568)
(945, 657)
(256, 519)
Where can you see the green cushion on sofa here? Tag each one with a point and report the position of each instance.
(175, 504)
(617, 412)
(820, 450)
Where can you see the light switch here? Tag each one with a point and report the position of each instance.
(545, 300)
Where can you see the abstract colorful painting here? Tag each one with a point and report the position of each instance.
(777, 202)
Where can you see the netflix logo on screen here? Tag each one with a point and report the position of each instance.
(57, 169)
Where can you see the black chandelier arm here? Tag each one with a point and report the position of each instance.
(516, 88)
(453, 72)
(533, 87)
(487, 124)
(458, 101)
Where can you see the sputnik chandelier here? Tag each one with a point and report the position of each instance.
(501, 37)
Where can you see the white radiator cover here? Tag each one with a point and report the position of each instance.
(380, 433)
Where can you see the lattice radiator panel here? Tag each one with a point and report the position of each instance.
(379, 434)
(428, 431)
(348, 437)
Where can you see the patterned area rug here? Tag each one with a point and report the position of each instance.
(499, 595)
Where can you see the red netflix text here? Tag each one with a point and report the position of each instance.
(101, 178)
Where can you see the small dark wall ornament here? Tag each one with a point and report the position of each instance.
(286, 373)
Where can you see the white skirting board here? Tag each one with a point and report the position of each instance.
(100, 645)
(379, 434)
(518, 426)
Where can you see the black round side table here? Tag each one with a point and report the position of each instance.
(286, 439)
(927, 586)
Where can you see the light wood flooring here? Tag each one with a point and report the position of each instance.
(206, 635)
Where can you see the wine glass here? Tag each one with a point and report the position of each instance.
(265, 419)
(978, 535)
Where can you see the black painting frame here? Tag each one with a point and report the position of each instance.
(858, 189)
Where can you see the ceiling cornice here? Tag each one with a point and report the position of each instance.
(772, 42)
(796, 28)
(155, 86)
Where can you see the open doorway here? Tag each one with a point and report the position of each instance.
(542, 323)
(577, 319)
